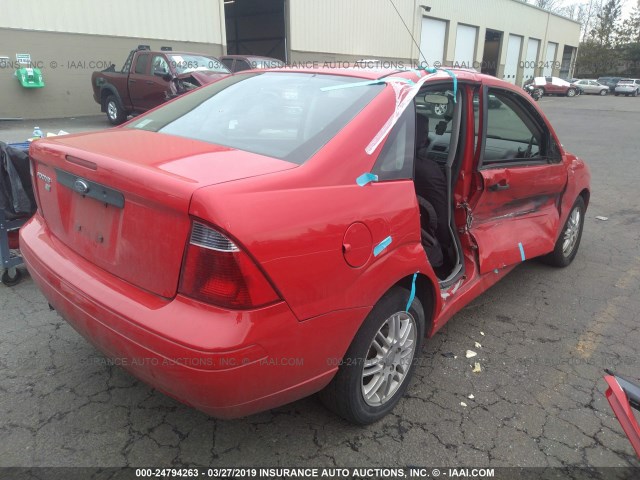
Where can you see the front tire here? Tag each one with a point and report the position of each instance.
(378, 366)
(115, 112)
(603, 93)
(540, 92)
(569, 241)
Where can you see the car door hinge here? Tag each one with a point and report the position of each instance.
(469, 215)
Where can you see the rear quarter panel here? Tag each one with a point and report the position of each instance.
(293, 223)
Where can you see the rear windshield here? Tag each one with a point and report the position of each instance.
(625, 82)
(284, 115)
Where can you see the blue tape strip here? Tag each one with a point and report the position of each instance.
(455, 84)
(413, 292)
(366, 179)
(522, 255)
(382, 246)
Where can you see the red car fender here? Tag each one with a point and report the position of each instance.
(578, 181)
(397, 266)
(620, 406)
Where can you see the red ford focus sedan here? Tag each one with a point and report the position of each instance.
(281, 233)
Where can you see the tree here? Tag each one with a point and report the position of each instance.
(629, 32)
(606, 23)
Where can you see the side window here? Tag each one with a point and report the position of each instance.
(396, 159)
(141, 63)
(160, 66)
(514, 134)
(228, 62)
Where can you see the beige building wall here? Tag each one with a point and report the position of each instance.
(67, 61)
(351, 29)
(356, 29)
(192, 21)
(69, 39)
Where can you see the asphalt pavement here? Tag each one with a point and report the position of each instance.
(546, 335)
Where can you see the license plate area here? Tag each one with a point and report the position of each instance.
(88, 188)
(94, 215)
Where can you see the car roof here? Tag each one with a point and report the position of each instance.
(378, 74)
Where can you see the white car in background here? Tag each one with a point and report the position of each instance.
(628, 86)
(591, 86)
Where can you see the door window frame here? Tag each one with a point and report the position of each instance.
(552, 154)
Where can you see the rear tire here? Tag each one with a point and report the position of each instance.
(115, 113)
(568, 242)
(571, 92)
(386, 345)
(635, 94)
(540, 92)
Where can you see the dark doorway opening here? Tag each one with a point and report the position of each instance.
(491, 55)
(256, 27)
(565, 66)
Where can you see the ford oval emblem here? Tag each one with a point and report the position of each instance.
(81, 186)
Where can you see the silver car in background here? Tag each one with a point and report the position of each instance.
(628, 86)
(592, 87)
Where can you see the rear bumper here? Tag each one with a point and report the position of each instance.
(225, 363)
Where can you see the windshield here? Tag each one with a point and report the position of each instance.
(284, 115)
(184, 63)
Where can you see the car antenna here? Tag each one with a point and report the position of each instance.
(428, 9)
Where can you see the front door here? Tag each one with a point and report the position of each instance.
(520, 181)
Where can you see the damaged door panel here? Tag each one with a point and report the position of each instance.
(517, 215)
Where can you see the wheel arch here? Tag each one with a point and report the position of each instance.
(586, 195)
(426, 293)
(105, 92)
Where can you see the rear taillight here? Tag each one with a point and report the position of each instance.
(216, 271)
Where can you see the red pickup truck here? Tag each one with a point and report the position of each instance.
(150, 78)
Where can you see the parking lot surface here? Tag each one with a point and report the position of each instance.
(546, 335)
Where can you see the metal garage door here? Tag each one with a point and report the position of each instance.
(432, 38)
(533, 46)
(513, 58)
(465, 46)
(549, 59)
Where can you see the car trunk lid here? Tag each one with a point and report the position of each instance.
(120, 198)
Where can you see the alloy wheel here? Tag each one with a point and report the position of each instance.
(112, 110)
(389, 358)
(572, 232)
